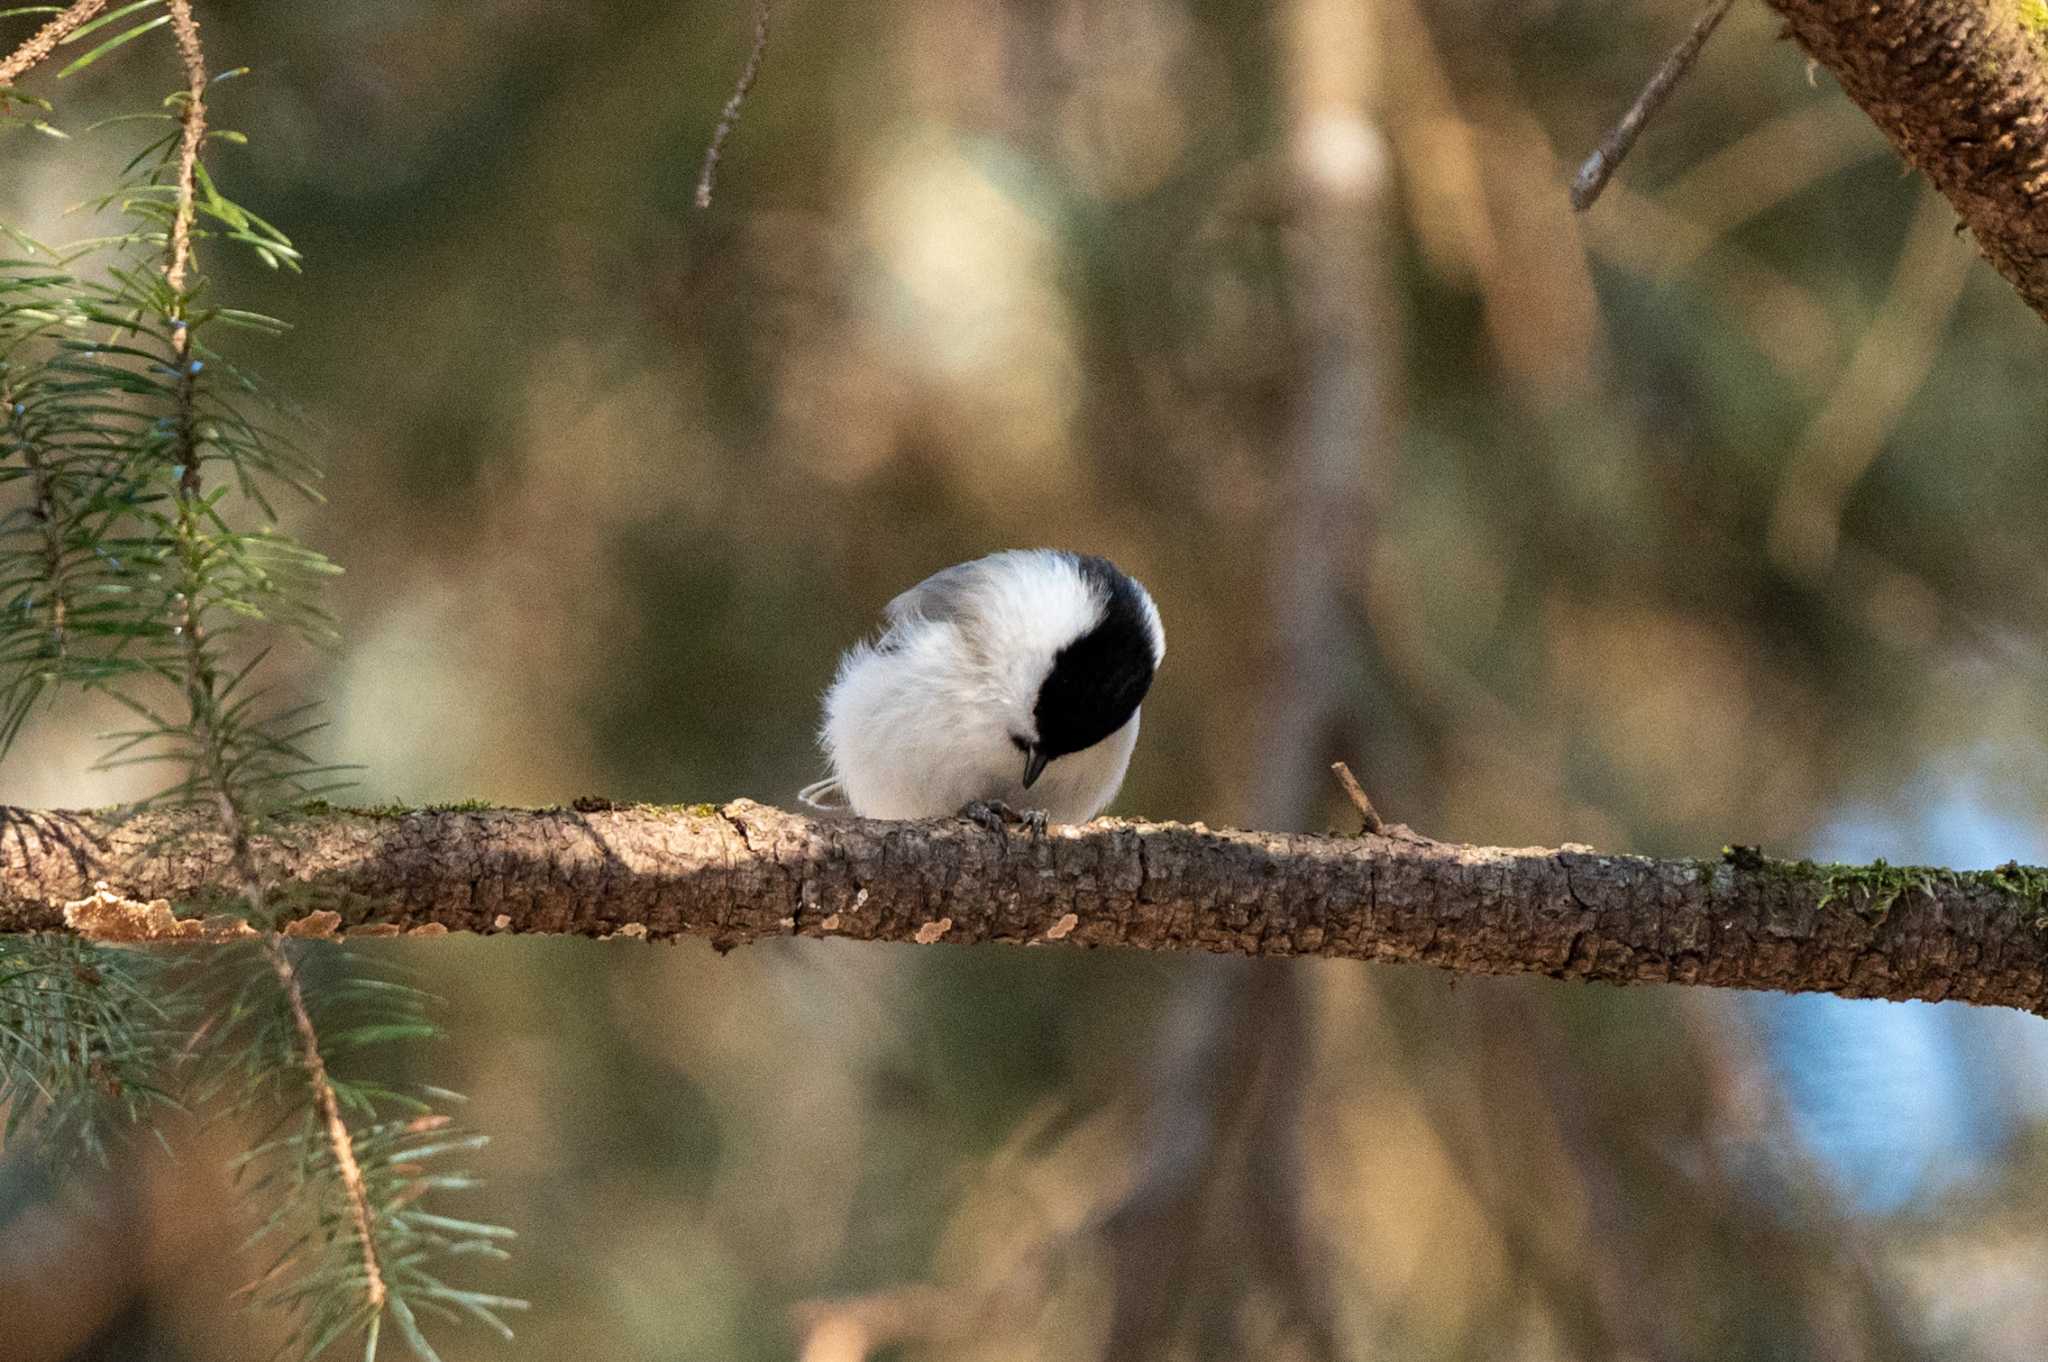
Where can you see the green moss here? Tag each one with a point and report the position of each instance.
(2033, 17)
(600, 804)
(1871, 890)
(2028, 882)
(1743, 858)
(314, 808)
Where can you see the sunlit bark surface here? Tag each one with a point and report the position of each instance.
(745, 871)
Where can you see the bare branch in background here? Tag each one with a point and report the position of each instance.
(745, 872)
(1615, 146)
(1887, 370)
(1342, 453)
(1961, 89)
(729, 117)
(850, 1328)
(1198, 1092)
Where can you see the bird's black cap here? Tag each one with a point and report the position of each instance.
(1098, 680)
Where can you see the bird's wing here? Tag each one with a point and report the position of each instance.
(938, 597)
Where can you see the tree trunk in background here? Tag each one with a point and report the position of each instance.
(1342, 447)
(1235, 1072)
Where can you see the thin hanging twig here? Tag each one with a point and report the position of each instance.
(730, 118)
(1614, 147)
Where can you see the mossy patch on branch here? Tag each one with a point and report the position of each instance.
(2033, 17)
(314, 808)
(1872, 890)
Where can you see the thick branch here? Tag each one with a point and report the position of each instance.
(746, 871)
(1961, 88)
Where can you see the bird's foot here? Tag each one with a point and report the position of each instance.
(996, 816)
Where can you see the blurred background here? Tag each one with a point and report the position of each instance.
(1712, 516)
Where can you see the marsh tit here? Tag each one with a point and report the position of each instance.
(1008, 685)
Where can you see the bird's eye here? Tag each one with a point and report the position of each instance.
(1021, 744)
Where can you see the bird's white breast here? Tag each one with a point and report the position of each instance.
(916, 732)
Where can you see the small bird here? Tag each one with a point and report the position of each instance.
(1005, 688)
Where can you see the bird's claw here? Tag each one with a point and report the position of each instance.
(997, 816)
(989, 815)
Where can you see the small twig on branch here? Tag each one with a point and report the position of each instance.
(730, 117)
(1357, 795)
(1614, 147)
(45, 39)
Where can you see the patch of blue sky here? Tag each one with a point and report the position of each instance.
(1902, 1101)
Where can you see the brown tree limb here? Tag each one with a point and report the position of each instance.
(1961, 89)
(746, 871)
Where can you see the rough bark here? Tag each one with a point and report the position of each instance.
(1961, 88)
(747, 871)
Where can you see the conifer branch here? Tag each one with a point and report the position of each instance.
(44, 40)
(210, 749)
(45, 511)
(192, 132)
(125, 428)
(339, 1140)
(84, 1042)
(746, 872)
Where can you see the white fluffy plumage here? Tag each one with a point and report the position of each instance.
(944, 708)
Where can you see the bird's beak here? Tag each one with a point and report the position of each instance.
(1034, 765)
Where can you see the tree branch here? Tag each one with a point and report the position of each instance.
(46, 39)
(1961, 89)
(746, 871)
